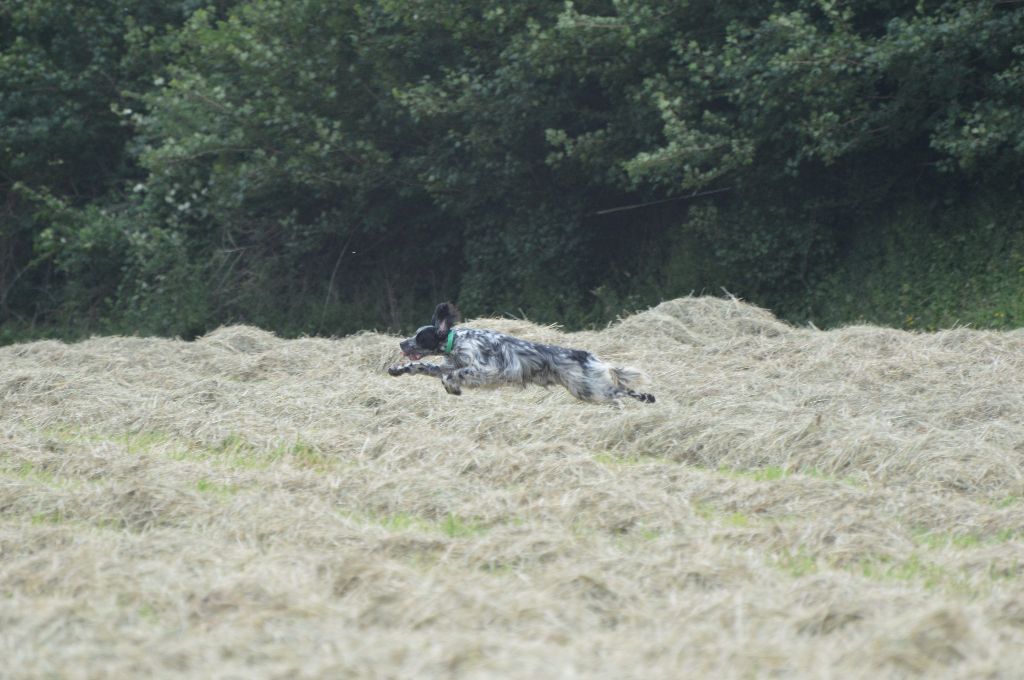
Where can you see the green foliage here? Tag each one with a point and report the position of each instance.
(119, 270)
(321, 166)
(68, 74)
(928, 269)
(275, 149)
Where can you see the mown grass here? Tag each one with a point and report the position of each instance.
(216, 488)
(29, 472)
(236, 452)
(774, 473)
(451, 525)
(937, 540)
(233, 451)
(922, 566)
(282, 516)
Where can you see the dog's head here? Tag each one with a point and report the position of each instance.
(430, 339)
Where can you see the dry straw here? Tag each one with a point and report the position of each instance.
(798, 504)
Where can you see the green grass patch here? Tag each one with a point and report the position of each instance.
(648, 534)
(737, 519)
(798, 563)
(704, 510)
(61, 433)
(456, 527)
(912, 570)
(930, 575)
(148, 613)
(305, 455)
(765, 474)
(216, 488)
(142, 442)
(772, 473)
(936, 540)
(134, 442)
(404, 522)
(234, 450)
(29, 472)
(768, 474)
(628, 460)
(451, 525)
(49, 517)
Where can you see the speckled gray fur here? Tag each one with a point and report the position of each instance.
(484, 358)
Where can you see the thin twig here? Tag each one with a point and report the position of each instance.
(664, 200)
(330, 284)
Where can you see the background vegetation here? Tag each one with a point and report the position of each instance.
(319, 166)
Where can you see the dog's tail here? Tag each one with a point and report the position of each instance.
(630, 378)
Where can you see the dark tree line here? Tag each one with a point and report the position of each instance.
(328, 165)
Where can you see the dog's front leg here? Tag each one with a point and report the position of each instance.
(469, 377)
(416, 368)
(451, 382)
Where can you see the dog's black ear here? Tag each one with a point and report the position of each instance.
(445, 316)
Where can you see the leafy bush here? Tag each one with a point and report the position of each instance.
(69, 73)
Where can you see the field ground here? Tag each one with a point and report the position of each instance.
(798, 504)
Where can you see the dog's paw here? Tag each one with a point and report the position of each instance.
(397, 370)
(450, 386)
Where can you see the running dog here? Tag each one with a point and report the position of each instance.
(479, 358)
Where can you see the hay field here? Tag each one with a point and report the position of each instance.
(797, 504)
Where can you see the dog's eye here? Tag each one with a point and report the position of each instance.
(427, 338)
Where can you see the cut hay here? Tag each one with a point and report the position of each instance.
(798, 504)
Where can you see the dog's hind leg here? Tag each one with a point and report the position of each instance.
(625, 380)
(641, 396)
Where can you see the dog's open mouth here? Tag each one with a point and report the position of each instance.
(412, 356)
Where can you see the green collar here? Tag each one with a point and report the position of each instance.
(451, 339)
